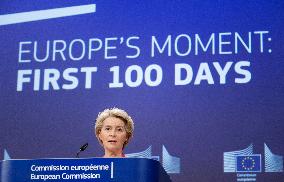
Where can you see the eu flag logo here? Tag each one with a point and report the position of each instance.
(248, 163)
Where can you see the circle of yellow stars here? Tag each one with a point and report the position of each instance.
(248, 158)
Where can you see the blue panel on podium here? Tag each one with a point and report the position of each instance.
(91, 169)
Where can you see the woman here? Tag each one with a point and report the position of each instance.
(114, 128)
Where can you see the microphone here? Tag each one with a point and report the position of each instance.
(82, 148)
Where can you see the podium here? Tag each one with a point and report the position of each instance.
(85, 169)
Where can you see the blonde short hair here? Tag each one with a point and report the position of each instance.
(117, 113)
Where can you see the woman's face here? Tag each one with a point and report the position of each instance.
(113, 134)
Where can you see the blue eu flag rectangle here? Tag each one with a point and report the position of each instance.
(248, 163)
